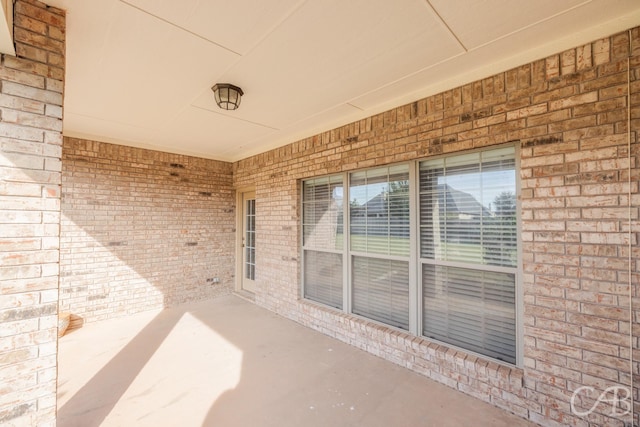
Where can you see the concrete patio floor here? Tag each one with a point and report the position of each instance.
(227, 362)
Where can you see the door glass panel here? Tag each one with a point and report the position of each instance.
(250, 240)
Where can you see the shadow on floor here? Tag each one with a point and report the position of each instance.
(98, 397)
(227, 362)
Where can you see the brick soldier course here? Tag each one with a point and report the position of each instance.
(141, 229)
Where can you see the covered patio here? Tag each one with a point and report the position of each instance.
(227, 362)
(421, 208)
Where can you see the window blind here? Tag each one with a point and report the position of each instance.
(322, 231)
(468, 208)
(323, 277)
(466, 257)
(381, 290)
(470, 309)
(322, 213)
(379, 211)
(379, 224)
(468, 250)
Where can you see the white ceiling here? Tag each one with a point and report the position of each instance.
(139, 72)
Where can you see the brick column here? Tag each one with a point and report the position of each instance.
(31, 93)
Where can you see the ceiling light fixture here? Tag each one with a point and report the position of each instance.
(227, 96)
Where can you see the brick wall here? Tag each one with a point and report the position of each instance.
(579, 204)
(142, 230)
(31, 86)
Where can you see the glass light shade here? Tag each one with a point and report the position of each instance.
(227, 96)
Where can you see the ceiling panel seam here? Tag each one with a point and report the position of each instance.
(180, 28)
(421, 70)
(526, 27)
(455, 36)
(268, 32)
(234, 117)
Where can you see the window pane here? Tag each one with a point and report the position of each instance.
(322, 213)
(250, 240)
(467, 227)
(471, 309)
(379, 211)
(381, 290)
(323, 277)
(468, 208)
(468, 216)
(322, 217)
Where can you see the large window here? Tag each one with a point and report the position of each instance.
(322, 240)
(468, 251)
(379, 242)
(431, 248)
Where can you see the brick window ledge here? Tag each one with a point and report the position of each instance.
(493, 382)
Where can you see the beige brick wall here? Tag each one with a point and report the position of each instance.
(579, 205)
(142, 230)
(31, 86)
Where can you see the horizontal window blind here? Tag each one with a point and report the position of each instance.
(468, 219)
(468, 208)
(470, 309)
(381, 290)
(379, 211)
(323, 277)
(323, 213)
(322, 229)
(465, 258)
